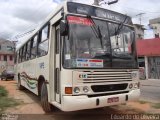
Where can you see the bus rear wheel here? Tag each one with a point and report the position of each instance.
(47, 107)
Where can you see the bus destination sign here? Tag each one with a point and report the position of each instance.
(78, 8)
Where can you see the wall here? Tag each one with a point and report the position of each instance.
(154, 67)
(156, 29)
(6, 49)
(139, 31)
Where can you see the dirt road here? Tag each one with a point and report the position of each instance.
(30, 107)
(30, 103)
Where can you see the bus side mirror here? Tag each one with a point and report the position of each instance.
(63, 28)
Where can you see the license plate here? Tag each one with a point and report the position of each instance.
(114, 99)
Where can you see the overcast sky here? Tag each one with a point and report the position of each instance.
(20, 16)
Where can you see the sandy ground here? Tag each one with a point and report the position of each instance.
(30, 104)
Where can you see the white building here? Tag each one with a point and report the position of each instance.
(155, 25)
(139, 31)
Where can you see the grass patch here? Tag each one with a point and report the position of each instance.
(142, 102)
(5, 101)
(3, 92)
(156, 105)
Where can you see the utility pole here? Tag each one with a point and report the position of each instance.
(140, 17)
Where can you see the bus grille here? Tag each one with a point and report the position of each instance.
(113, 87)
(107, 76)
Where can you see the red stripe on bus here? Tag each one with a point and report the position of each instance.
(95, 60)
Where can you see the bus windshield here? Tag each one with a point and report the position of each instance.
(94, 43)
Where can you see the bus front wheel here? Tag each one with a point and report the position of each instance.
(44, 99)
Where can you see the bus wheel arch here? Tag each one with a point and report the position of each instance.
(43, 93)
(18, 75)
(41, 79)
(20, 87)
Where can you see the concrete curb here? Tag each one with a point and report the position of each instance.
(150, 85)
(155, 83)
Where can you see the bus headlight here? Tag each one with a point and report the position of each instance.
(76, 90)
(85, 89)
(137, 85)
(130, 86)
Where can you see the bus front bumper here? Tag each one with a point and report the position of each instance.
(73, 103)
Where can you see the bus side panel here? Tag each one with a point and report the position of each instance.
(27, 71)
(42, 67)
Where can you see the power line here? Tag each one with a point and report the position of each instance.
(31, 27)
(23, 34)
(19, 35)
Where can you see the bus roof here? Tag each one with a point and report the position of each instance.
(54, 12)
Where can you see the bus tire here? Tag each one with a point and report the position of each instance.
(47, 107)
(20, 87)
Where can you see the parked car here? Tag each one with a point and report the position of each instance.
(7, 74)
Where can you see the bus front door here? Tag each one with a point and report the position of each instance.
(57, 65)
(54, 82)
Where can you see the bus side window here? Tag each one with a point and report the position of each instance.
(57, 41)
(24, 53)
(28, 50)
(34, 47)
(43, 41)
(19, 58)
(21, 54)
(15, 58)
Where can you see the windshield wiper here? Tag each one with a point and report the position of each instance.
(114, 55)
(122, 56)
(96, 29)
(120, 26)
(102, 56)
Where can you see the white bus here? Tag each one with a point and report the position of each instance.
(81, 57)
